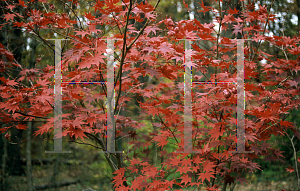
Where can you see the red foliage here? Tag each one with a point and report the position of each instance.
(162, 104)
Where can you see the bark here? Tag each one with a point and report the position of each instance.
(4, 161)
(53, 181)
(28, 158)
(298, 14)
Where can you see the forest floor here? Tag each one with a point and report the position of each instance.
(286, 185)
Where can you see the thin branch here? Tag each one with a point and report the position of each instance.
(295, 156)
(168, 128)
(142, 30)
(81, 25)
(126, 49)
(28, 115)
(264, 29)
(36, 33)
(124, 52)
(66, 36)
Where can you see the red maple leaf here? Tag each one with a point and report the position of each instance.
(290, 169)
(165, 48)
(205, 8)
(185, 179)
(11, 83)
(175, 161)
(208, 166)
(22, 3)
(238, 28)
(183, 169)
(11, 7)
(90, 16)
(82, 33)
(292, 83)
(153, 29)
(9, 16)
(11, 106)
(136, 183)
(206, 175)
(232, 12)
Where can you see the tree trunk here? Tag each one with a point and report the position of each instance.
(53, 180)
(28, 158)
(298, 14)
(4, 161)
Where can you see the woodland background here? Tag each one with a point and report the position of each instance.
(85, 168)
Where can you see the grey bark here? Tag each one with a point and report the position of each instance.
(28, 158)
(4, 161)
(53, 180)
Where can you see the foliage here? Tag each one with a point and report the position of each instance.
(155, 52)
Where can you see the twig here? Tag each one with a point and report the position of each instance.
(81, 26)
(168, 128)
(264, 29)
(295, 156)
(31, 115)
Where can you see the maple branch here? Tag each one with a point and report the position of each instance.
(126, 49)
(168, 128)
(286, 57)
(124, 52)
(295, 156)
(120, 80)
(196, 131)
(226, 183)
(36, 33)
(197, 12)
(50, 104)
(31, 115)
(142, 30)
(13, 78)
(102, 79)
(81, 25)
(116, 156)
(112, 165)
(270, 97)
(66, 36)
(25, 121)
(283, 118)
(117, 23)
(124, 4)
(221, 113)
(84, 143)
(245, 24)
(258, 46)
(45, 7)
(101, 105)
(129, 100)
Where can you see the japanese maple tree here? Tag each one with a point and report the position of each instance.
(149, 77)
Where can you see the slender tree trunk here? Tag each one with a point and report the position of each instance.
(28, 158)
(53, 180)
(32, 62)
(298, 14)
(4, 161)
